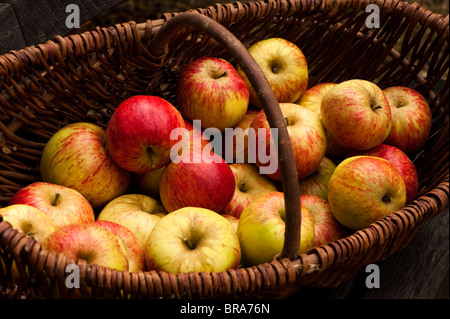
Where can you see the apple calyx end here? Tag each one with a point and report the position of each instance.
(188, 243)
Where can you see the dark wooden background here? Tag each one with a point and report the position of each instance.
(420, 271)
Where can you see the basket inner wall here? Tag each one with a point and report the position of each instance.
(84, 77)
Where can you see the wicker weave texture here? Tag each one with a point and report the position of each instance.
(84, 77)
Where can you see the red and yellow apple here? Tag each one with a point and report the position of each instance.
(236, 139)
(312, 99)
(364, 189)
(307, 135)
(89, 242)
(210, 89)
(356, 113)
(249, 186)
(326, 228)
(135, 250)
(65, 206)
(317, 182)
(77, 157)
(137, 212)
(401, 161)
(411, 119)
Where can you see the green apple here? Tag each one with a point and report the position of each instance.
(29, 220)
(261, 229)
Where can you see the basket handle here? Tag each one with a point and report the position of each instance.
(270, 105)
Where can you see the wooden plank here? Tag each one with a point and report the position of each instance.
(40, 20)
(419, 271)
(11, 37)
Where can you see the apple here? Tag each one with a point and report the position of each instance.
(76, 157)
(193, 239)
(236, 139)
(63, 205)
(411, 119)
(249, 186)
(285, 67)
(307, 135)
(364, 189)
(317, 182)
(401, 161)
(261, 229)
(137, 212)
(210, 89)
(135, 250)
(197, 180)
(357, 114)
(139, 133)
(233, 220)
(89, 242)
(148, 183)
(28, 220)
(326, 228)
(312, 98)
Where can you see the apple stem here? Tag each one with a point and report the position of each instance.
(55, 201)
(222, 75)
(376, 107)
(188, 243)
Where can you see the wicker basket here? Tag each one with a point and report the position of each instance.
(84, 77)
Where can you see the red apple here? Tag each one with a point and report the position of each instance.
(249, 186)
(285, 67)
(411, 119)
(356, 113)
(401, 161)
(76, 156)
(197, 180)
(65, 206)
(326, 227)
(148, 183)
(135, 251)
(209, 89)
(139, 133)
(307, 135)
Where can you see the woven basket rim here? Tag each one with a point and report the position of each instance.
(432, 202)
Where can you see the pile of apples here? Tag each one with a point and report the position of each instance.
(165, 188)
